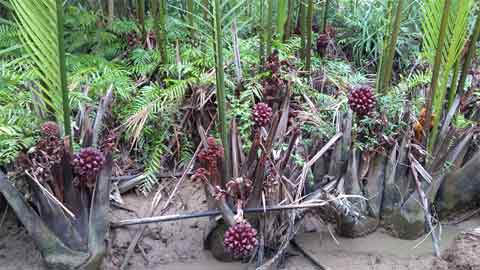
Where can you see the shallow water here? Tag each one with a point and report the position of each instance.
(377, 251)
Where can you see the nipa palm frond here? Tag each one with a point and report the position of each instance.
(41, 31)
(457, 28)
(454, 42)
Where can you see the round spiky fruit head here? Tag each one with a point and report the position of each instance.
(53, 147)
(362, 100)
(273, 62)
(211, 153)
(322, 42)
(261, 114)
(88, 163)
(40, 165)
(240, 240)
(272, 86)
(133, 39)
(330, 31)
(50, 128)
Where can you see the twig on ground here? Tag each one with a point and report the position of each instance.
(463, 218)
(308, 255)
(329, 228)
(119, 206)
(125, 177)
(130, 183)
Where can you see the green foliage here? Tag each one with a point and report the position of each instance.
(387, 124)
(282, 15)
(444, 33)
(412, 82)
(150, 87)
(461, 122)
(42, 36)
(362, 33)
(84, 36)
(99, 74)
(344, 74)
(8, 38)
(321, 123)
(241, 109)
(187, 149)
(18, 122)
(157, 150)
(154, 102)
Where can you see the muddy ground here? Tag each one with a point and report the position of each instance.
(179, 245)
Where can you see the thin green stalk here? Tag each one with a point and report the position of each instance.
(453, 86)
(384, 53)
(190, 18)
(111, 12)
(303, 27)
(289, 23)
(63, 71)
(261, 33)
(325, 15)
(282, 17)
(308, 47)
(388, 65)
(471, 52)
(269, 27)
(128, 8)
(156, 24)
(141, 17)
(435, 76)
(220, 91)
(159, 8)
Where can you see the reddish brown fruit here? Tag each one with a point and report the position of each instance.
(322, 43)
(50, 128)
(261, 114)
(272, 86)
(240, 240)
(273, 63)
(362, 100)
(211, 153)
(53, 147)
(133, 40)
(87, 164)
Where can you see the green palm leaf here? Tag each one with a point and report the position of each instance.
(41, 31)
(450, 52)
(282, 16)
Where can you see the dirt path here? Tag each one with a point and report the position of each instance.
(179, 245)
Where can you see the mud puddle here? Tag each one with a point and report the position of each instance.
(179, 245)
(379, 250)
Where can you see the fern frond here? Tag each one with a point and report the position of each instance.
(153, 167)
(155, 100)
